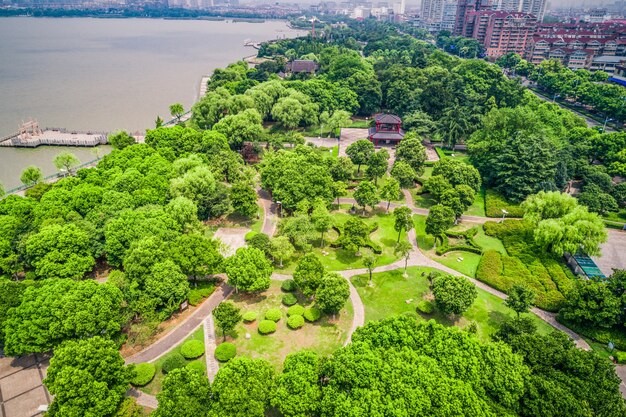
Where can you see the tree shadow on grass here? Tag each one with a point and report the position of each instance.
(496, 318)
(248, 298)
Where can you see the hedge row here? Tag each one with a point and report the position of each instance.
(196, 295)
(502, 272)
(600, 335)
(375, 247)
(468, 235)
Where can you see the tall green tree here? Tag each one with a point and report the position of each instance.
(31, 175)
(59, 310)
(87, 377)
(520, 299)
(185, 392)
(404, 174)
(354, 234)
(368, 262)
(177, 110)
(377, 165)
(66, 161)
(403, 220)
(281, 248)
(366, 194)
(242, 388)
(404, 249)
(226, 316)
(332, 294)
(308, 274)
(453, 295)
(360, 152)
(121, 139)
(390, 191)
(298, 392)
(244, 199)
(248, 270)
(411, 151)
(322, 220)
(440, 218)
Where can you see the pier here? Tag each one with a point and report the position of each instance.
(30, 135)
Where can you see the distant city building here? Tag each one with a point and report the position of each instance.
(596, 47)
(500, 32)
(464, 7)
(438, 15)
(534, 7)
(597, 16)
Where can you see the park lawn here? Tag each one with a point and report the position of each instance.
(461, 261)
(423, 200)
(323, 337)
(618, 217)
(478, 207)
(338, 259)
(428, 172)
(155, 385)
(489, 242)
(391, 291)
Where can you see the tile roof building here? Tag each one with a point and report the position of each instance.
(388, 130)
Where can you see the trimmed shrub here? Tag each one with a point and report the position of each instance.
(192, 349)
(288, 285)
(295, 322)
(225, 352)
(312, 314)
(196, 295)
(620, 356)
(196, 365)
(295, 310)
(289, 299)
(250, 235)
(250, 316)
(495, 202)
(144, 374)
(267, 326)
(425, 307)
(172, 362)
(273, 314)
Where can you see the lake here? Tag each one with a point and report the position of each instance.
(108, 74)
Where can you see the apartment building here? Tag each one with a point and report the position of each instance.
(500, 32)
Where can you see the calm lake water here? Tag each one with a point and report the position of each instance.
(107, 74)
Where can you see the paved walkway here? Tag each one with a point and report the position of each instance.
(143, 399)
(212, 366)
(270, 220)
(183, 330)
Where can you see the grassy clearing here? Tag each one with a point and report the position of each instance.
(464, 262)
(338, 259)
(618, 217)
(428, 172)
(495, 203)
(391, 291)
(478, 207)
(155, 385)
(489, 242)
(323, 336)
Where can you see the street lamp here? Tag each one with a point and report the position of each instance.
(504, 213)
(280, 209)
(555, 97)
(605, 122)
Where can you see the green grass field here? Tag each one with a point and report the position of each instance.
(393, 294)
(478, 207)
(155, 385)
(323, 336)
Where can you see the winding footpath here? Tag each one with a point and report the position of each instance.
(203, 317)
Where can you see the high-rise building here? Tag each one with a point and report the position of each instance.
(534, 7)
(464, 7)
(500, 32)
(439, 14)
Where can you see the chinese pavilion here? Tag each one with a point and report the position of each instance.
(387, 130)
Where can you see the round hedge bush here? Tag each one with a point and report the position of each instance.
(250, 316)
(273, 314)
(267, 326)
(312, 314)
(225, 352)
(295, 322)
(288, 285)
(172, 362)
(296, 310)
(425, 307)
(192, 349)
(289, 299)
(196, 365)
(144, 374)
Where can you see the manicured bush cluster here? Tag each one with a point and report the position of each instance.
(295, 322)
(425, 307)
(288, 285)
(174, 361)
(267, 326)
(196, 365)
(273, 314)
(289, 299)
(196, 295)
(312, 314)
(225, 352)
(295, 310)
(620, 356)
(144, 374)
(250, 316)
(192, 349)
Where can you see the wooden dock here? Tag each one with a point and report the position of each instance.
(31, 136)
